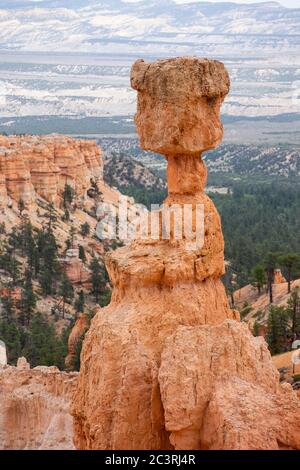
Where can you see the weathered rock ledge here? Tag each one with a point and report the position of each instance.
(35, 407)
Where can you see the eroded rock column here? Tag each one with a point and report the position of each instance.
(167, 364)
(158, 284)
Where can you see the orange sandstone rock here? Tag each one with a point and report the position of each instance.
(158, 284)
(93, 158)
(43, 165)
(44, 173)
(179, 104)
(17, 176)
(166, 364)
(224, 392)
(70, 160)
(278, 277)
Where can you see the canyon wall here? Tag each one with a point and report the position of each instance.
(34, 406)
(167, 364)
(43, 165)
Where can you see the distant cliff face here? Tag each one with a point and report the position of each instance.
(43, 165)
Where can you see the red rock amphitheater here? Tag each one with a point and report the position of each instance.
(43, 165)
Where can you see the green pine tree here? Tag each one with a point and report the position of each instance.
(2, 228)
(258, 277)
(289, 261)
(21, 206)
(68, 195)
(271, 263)
(66, 216)
(294, 305)
(12, 335)
(66, 291)
(73, 232)
(97, 278)
(278, 329)
(51, 216)
(82, 253)
(28, 301)
(43, 346)
(7, 309)
(80, 302)
(28, 244)
(85, 229)
(49, 269)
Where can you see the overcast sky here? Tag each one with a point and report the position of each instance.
(286, 3)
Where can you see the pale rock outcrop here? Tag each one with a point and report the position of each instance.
(3, 355)
(22, 364)
(34, 407)
(3, 191)
(75, 269)
(169, 288)
(43, 165)
(278, 277)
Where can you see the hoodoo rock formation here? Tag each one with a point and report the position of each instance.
(167, 364)
(34, 407)
(43, 165)
(278, 277)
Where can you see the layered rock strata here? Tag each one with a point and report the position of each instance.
(43, 165)
(169, 305)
